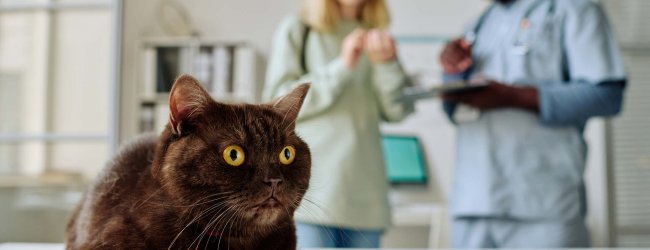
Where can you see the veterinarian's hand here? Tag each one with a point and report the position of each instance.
(498, 95)
(456, 57)
(380, 46)
(353, 47)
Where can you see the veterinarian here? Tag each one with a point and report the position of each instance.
(342, 48)
(551, 65)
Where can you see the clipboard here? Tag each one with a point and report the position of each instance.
(417, 93)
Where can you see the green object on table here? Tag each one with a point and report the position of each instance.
(404, 159)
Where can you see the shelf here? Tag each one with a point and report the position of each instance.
(156, 98)
(87, 5)
(50, 137)
(226, 69)
(188, 41)
(44, 180)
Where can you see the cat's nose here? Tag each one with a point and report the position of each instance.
(273, 182)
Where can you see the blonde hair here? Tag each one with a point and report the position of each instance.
(323, 15)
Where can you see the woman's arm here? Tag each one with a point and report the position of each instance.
(388, 77)
(389, 80)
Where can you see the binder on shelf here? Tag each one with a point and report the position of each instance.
(222, 61)
(149, 73)
(203, 64)
(185, 61)
(161, 117)
(168, 66)
(228, 70)
(244, 74)
(147, 117)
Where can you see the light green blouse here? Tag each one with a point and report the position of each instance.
(340, 122)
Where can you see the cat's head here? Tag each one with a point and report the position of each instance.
(243, 161)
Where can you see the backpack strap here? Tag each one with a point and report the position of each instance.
(303, 49)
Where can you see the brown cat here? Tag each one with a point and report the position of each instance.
(219, 177)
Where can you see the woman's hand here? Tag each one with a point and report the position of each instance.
(380, 46)
(456, 57)
(353, 47)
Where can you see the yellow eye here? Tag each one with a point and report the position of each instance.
(287, 155)
(234, 155)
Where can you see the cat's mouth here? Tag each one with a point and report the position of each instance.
(269, 203)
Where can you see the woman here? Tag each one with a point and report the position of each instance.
(340, 46)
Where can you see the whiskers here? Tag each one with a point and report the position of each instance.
(219, 203)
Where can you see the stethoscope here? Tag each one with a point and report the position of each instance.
(520, 47)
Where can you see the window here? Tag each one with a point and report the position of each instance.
(56, 66)
(630, 137)
(57, 81)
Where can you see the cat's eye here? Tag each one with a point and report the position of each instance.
(234, 155)
(287, 155)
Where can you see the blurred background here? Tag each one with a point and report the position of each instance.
(80, 77)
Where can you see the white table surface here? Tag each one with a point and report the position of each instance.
(50, 246)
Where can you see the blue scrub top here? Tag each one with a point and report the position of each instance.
(518, 164)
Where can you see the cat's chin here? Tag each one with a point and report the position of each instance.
(266, 212)
(264, 216)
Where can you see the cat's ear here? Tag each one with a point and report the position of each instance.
(187, 99)
(290, 104)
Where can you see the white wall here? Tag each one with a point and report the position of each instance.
(254, 21)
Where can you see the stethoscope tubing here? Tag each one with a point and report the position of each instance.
(518, 48)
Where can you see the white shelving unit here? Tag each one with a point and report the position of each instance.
(227, 69)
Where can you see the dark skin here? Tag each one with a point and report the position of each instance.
(457, 58)
(498, 95)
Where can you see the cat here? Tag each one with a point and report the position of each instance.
(220, 176)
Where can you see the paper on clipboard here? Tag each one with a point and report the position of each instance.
(417, 93)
